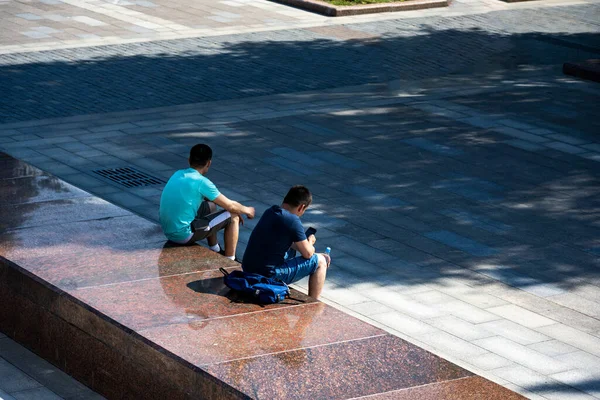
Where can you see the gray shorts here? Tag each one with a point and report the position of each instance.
(208, 221)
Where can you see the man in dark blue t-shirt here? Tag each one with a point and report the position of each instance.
(276, 238)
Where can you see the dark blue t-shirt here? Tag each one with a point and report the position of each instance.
(272, 237)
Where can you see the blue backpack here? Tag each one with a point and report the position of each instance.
(261, 289)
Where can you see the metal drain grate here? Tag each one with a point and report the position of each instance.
(128, 177)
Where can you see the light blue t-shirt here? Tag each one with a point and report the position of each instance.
(180, 200)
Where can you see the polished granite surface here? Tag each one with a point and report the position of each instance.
(469, 388)
(340, 370)
(100, 294)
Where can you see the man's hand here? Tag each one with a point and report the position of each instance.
(312, 239)
(327, 258)
(250, 212)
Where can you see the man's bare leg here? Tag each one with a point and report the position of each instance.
(212, 239)
(317, 280)
(232, 232)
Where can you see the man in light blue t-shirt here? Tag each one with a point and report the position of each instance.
(188, 207)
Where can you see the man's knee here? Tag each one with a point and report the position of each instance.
(235, 218)
(322, 263)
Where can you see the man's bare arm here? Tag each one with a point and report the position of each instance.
(234, 207)
(305, 247)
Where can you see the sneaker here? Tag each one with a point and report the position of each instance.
(222, 252)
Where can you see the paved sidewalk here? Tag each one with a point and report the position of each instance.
(24, 376)
(457, 183)
(51, 24)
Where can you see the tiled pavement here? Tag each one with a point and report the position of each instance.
(24, 376)
(457, 182)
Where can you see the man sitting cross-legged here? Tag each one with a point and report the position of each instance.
(188, 207)
(278, 235)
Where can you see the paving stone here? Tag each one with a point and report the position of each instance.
(523, 144)
(432, 297)
(580, 360)
(593, 147)
(541, 131)
(481, 122)
(520, 134)
(101, 190)
(29, 16)
(514, 332)
(126, 200)
(468, 192)
(566, 148)
(488, 361)
(402, 303)
(521, 355)
(41, 393)
(403, 323)
(359, 267)
(466, 312)
(370, 308)
(573, 337)
(591, 156)
(465, 244)
(576, 302)
(23, 137)
(88, 21)
(90, 153)
(13, 379)
(5, 396)
(359, 250)
(478, 299)
(433, 147)
(552, 348)
(478, 221)
(536, 382)
(451, 345)
(83, 181)
(521, 316)
(56, 168)
(460, 328)
(74, 147)
(516, 124)
(548, 309)
(344, 297)
(586, 381)
(520, 280)
(6, 140)
(565, 392)
(567, 139)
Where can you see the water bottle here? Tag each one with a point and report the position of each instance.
(328, 251)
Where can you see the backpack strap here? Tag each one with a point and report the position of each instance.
(293, 298)
(225, 273)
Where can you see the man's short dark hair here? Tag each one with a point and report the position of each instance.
(298, 195)
(200, 155)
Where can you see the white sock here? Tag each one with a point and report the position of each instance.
(216, 248)
(232, 258)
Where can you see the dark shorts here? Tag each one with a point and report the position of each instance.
(295, 268)
(208, 221)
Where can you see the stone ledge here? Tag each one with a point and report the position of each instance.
(330, 10)
(589, 70)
